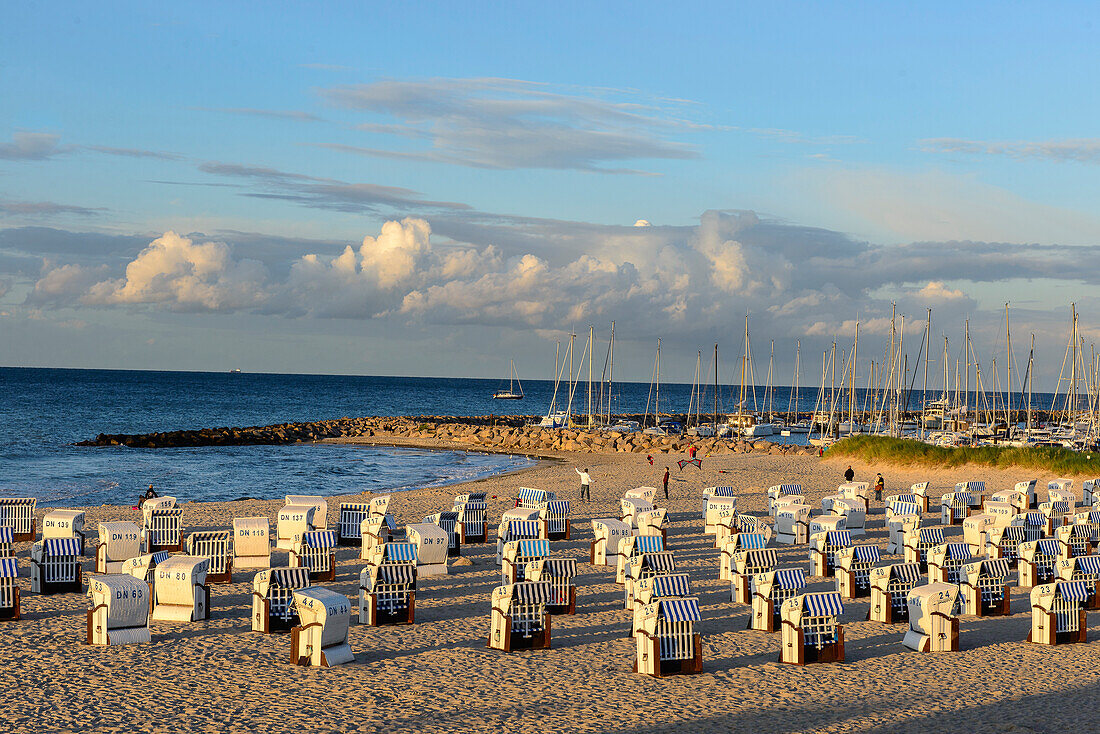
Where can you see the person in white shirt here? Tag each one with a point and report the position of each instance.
(586, 493)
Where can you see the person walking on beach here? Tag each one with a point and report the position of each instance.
(880, 485)
(586, 480)
(849, 475)
(666, 482)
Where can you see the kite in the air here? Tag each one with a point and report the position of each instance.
(684, 462)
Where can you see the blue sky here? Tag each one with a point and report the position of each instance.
(938, 156)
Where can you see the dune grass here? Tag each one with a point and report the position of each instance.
(1056, 460)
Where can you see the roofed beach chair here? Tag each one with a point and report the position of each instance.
(955, 507)
(792, 525)
(709, 492)
(848, 491)
(920, 492)
(945, 562)
(632, 546)
(387, 585)
(645, 493)
(251, 543)
(321, 640)
(605, 546)
(769, 590)
(1016, 500)
(653, 522)
(316, 552)
(667, 642)
(812, 632)
(431, 549)
(916, 543)
(1003, 512)
(1027, 487)
(900, 504)
(854, 512)
(7, 543)
(1091, 521)
(782, 490)
(1060, 485)
(933, 618)
(273, 590)
(853, 569)
(1090, 492)
(448, 523)
(295, 521)
(517, 554)
(652, 588)
(118, 541)
(532, 498)
(974, 531)
(55, 566)
(143, 568)
(375, 530)
(1037, 561)
(162, 528)
(643, 566)
(986, 587)
(744, 564)
(64, 524)
(559, 572)
(379, 506)
(1074, 540)
(1004, 542)
(1056, 514)
(631, 507)
(890, 587)
(471, 517)
(1058, 613)
(119, 613)
(718, 508)
(1085, 569)
(519, 616)
(827, 523)
(217, 545)
(736, 542)
(976, 490)
(349, 522)
(906, 517)
(9, 589)
(518, 528)
(17, 513)
(823, 548)
(180, 592)
(555, 514)
(320, 515)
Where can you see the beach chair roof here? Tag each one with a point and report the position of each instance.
(723, 492)
(533, 548)
(1048, 546)
(9, 568)
(931, 535)
(838, 538)
(522, 529)
(400, 552)
(790, 578)
(397, 573)
(355, 506)
(560, 568)
(62, 546)
(920, 487)
(750, 541)
(959, 551)
(679, 610)
(995, 567)
(661, 561)
(1072, 590)
(319, 539)
(905, 508)
(765, 557)
(909, 572)
(533, 592)
(471, 497)
(671, 584)
(970, 486)
(558, 507)
(648, 543)
(1088, 564)
(208, 535)
(822, 604)
(866, 553)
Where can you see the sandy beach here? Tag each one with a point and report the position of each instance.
(438, 675)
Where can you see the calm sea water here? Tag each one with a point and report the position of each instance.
(44, 411)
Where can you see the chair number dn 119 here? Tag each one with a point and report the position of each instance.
(124, 536)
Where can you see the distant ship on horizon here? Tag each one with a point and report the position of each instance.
(235, 370)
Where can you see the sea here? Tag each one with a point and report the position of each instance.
(43, 412)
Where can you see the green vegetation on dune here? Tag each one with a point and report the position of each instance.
(1057, 460)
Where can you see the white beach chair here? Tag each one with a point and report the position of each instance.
(945, 562)
(517, 554)
(17, 513)
(652, 588)
(920, 492)
(643, 566)
(119, 613)
(792, 525)
(890, 587)
(631, 507)
(387, 585)
(519, 616)
(471, 509)
(295, 521)
(1058, 613)
(745, 563)
(854, 512)
(667, 643)
(180, 592)
(645, 493)
(1074, 540)
(955, 507)
(906, 517)
(316, 551)
(709, 492)
(55, 566)
(64, 524)
(9, 589)
(1016, 500)
(559, 573)
(916, 543)
(448, 523)
(118, 541)
(1056, 514)
(1091, 521)
(823, 548)
(812, 632)
(1090, 492)
(532, 498)
(827, 524)
(163, 528)
(975, 489)
(632, 546)
(217, 545)
(985, 587)
(322, 639)
(273, 590)
(604, 548)
(737, 542)
(143, 568)
(782, 490)
(1027, 487)
(933, 618)
(555, 514)
(320, 515)
(251, 543)
(718, 509)
(517, 525)
(900, 504)
(431, 549)
(349, 522)
(770, 589)
(853, 569)
(375, 530)
(1038, 559)
(848, 491)
(974, 531)
(652, 522)
(1085, 569)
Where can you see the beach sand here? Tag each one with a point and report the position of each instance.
(438, 675)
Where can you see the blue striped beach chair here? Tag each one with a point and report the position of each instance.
(1038, 559)
(823, 548)
(17, 513)
(812, 632)
(917, 543)
(1058, 613)
(316, 551)
(769, 590)
(643, 566)
(559, 572)
(519, 619)
(273, 598)
(632, 546)
(387, 585)
(55, 566)
(745, 563)
(1085, 569)
(667, 642)
(471, 510)
(349, 522)
(217, 545)
(9, 589)
(517, 554)
(945, 561)
(890, 586)
(986, 587)
(853, 569)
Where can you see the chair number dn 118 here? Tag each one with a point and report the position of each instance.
(124, 536)
(245, 532)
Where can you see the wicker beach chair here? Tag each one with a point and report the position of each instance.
(823, 548)
(1016, 500)
(632, 546)
(322, 638)
(812, 632)
(667, 642)
(1074, 539)
(375, 530)
(974, 531)
(1090, 492)
(1028, 488)
(555, 515)
(985, 587)
(718, 509)
(1037, 561)
(517, 554)
(1004, 542)
(955, 507)
(118, 541)
(9, 589)
(162, 528)
(519, 619)
(976, 490)
(349, 522)
(217, 545)
(448, 523)
(1058, 613)
(643, 566)
(7, 542)
(745, 563)
(273, 590)
(645, 493)
(1091, 521)
(1056, 514)
(320, 515)
(653, 522)
(471, 509)
(945, 562)
(916, 543)
(853, 569)
(737, 542)
(431, 548)
(387, 585)
(143, 568)
(849, 491)
(559, 573)
(295, 521)
(531, 498)
(854, 512)
(180, 592)
(518, 528)
(631, 507)
(604, 548)
(890, 587)
(769, 590)
(933, 618)
(782, 490)
(316, 551)
(251, 543)
(652, 588)
(64, 524)
(709, 492)
(920, 492)
(1085, 569)
(55, 566)
(792, 525)
(17, 513)
(119, 611)
(906, 517)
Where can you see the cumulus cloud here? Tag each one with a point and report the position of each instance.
(937, 291)
(32, 147)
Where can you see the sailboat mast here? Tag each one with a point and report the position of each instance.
(852, 384)
(657, 406)
(715, 388)
(797, 367)
(591, 349)
(610, 369)
(744, 358)
(924, 390)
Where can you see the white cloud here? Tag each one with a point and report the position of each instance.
(937, 291)
(31, 147)
(1078, 150)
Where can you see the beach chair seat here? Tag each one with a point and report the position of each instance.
(779, 491)
(555, 515)
(812, 632)
(163, 528)
(890, 587)
(652, 588)
(320, 514)
(737, 542)
(653, 522)
(559, 572)
(642, 566)
(251, 543)
(604, 548)
(17, 513)
(955, 507)
(118, 541)
(1085, 569)
(375, 530)
(180, 591)
(349, 522)
(448, 523)
(1058, 613)
(431, 548)
(273, 608)
(1016, 500)
(1004, 542)
(519, 616)
(316, 552)
(644, 493)
(1090, 492)
(217, 545)
(64, 524)
(55, 566)
(1091, 521)
(823, 548)
(322, 638)
(916, 543)
(985, 587)
(907, 517)
(471, 509)
(119, 611)
(853, 569)
(518, 529)
(920, 493)
(792, 525)
(667, 643)
(1037, 561)
(933, 618)
(632, 546)
(1074, 540)
(1056, 514)
(295, 521)
(945, 562)
(1028, 488)
(9, 589)
(631, 507)
(517, 554)
(770, 589)
(387, 585)
(531, 498)
(854, 512)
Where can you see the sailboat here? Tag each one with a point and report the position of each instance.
(555, 417)
(745, 422)
(513, 381)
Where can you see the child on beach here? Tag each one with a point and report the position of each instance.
(666, 482)
(586, 480)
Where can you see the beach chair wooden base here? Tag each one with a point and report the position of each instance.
(888, 613)
(567, 609)
(12, 613)
(296, 656)
(29, 537)
(592, 552)
(516, 640)
(222, 578)
(559, 536)
(1063, 638)
(799, 654)
(741, 589)
(998, 608)
(348, 540)
(271, 625)
(173, 548)
(674, 667)
(952, 643)
(469, 538)
(396, 618)
(846, 585)
(63, 587)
